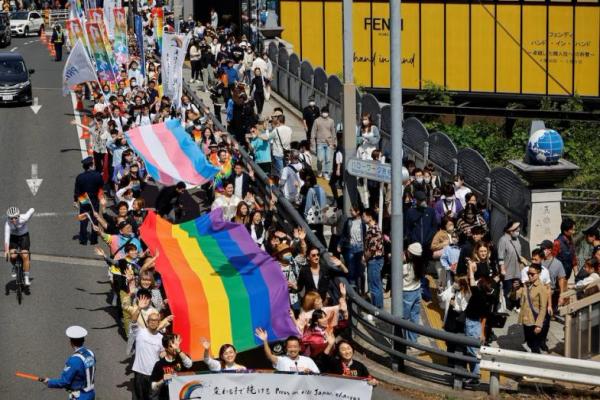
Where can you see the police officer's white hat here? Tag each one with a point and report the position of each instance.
(76, 332)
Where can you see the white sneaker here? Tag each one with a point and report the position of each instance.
(191, 81)
(13, 272)
(27, 283)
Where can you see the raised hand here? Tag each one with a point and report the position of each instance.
(342, 290)
(205, 343)
(261, 334)
(99, 251)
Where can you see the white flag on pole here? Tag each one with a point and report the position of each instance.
(78, 68)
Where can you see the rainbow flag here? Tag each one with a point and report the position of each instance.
(83, 199)
(220, 284)
(104, 62)
(158, 23)
(120, 37)
(170, 154)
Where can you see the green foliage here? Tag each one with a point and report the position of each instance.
(582, 141)
(434, 94)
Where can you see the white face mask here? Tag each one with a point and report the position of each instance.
(419, 180)
(449, 199)
(325, 115)
(311, 103)
(427, 180)
(515, 234)
(365, 122)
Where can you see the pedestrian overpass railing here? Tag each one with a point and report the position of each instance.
(382, 332)
(507, 196)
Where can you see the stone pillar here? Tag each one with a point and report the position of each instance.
(545, 215)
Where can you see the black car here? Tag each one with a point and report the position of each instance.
(15, 86)
(5, 36)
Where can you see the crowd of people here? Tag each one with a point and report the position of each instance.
(446, 225)
(115, 192)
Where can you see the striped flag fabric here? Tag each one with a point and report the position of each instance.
(220, 284)
(170, 154)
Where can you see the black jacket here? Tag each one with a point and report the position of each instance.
(168, 199)
(305, 280)
(246, 182)
(89, 182)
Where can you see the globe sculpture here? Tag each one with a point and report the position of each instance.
(545, 147)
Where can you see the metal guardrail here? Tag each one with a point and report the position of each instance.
(562, 369)
(385, 326)
(582, 322)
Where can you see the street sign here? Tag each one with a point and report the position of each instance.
(372, 170)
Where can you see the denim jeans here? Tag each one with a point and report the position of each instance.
(353, 259)
(324, 157)
(277, 165)
(473, 329)
(374, 267)
(411, 300)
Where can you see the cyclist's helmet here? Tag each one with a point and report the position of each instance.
(12, 212)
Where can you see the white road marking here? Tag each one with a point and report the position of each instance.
(55, 214)
(79, 130)
(13, 49)
(90, 262)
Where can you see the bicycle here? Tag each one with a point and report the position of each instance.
(20, 278)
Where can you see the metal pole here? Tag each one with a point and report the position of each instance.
(349, 107)
(380, 218)
(397, 155)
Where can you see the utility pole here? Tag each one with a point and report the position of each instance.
(349, 107)
(397, 155)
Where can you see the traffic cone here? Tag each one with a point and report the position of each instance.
(52, 52)
(79, 106)
(43, 37)
(85, 134)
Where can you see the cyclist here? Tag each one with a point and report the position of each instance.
(16, 235)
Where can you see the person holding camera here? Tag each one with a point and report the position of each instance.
(533, 299)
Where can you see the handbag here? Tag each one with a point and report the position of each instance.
(497, 320)
(314, 215)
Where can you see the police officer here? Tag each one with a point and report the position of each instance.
(58, 39)
(78, 375)
(87, 183)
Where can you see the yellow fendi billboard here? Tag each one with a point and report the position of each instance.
(518, 47)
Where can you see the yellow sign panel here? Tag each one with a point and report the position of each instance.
(527, 48)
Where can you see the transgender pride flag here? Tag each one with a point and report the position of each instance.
(170, 154)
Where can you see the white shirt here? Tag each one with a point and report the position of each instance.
(147, 350)
(290, 181)
(281, 138)
(237, 186)
(544, 275)
(460, 194)
(228, 204)
(284, 363)
(18, 228)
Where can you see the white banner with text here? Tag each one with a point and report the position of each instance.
(267, 386)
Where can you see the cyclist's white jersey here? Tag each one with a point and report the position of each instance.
(18, 228)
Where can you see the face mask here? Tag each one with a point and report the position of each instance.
(287, 257)
(311, 103)
(419, 180)
(515, 234)
(423, 204)
(457, 184)
(449, 199)
(450, 230)
(365, 122)
(325, 115)
(427, 180)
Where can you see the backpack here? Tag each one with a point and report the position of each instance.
(314, 214)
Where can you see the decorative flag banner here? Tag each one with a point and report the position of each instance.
(172, 59)
(109, 17)
(78, 69)
(83, 199)
(120, 36)
(117, 244)
(139, 35)
(104, 66)
(74, 31)
(76, 9)
(95, 15)
(170, 154)
(266, 386)
(221, 286)
(158, 26)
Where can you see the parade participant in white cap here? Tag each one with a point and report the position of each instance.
(78, 375)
